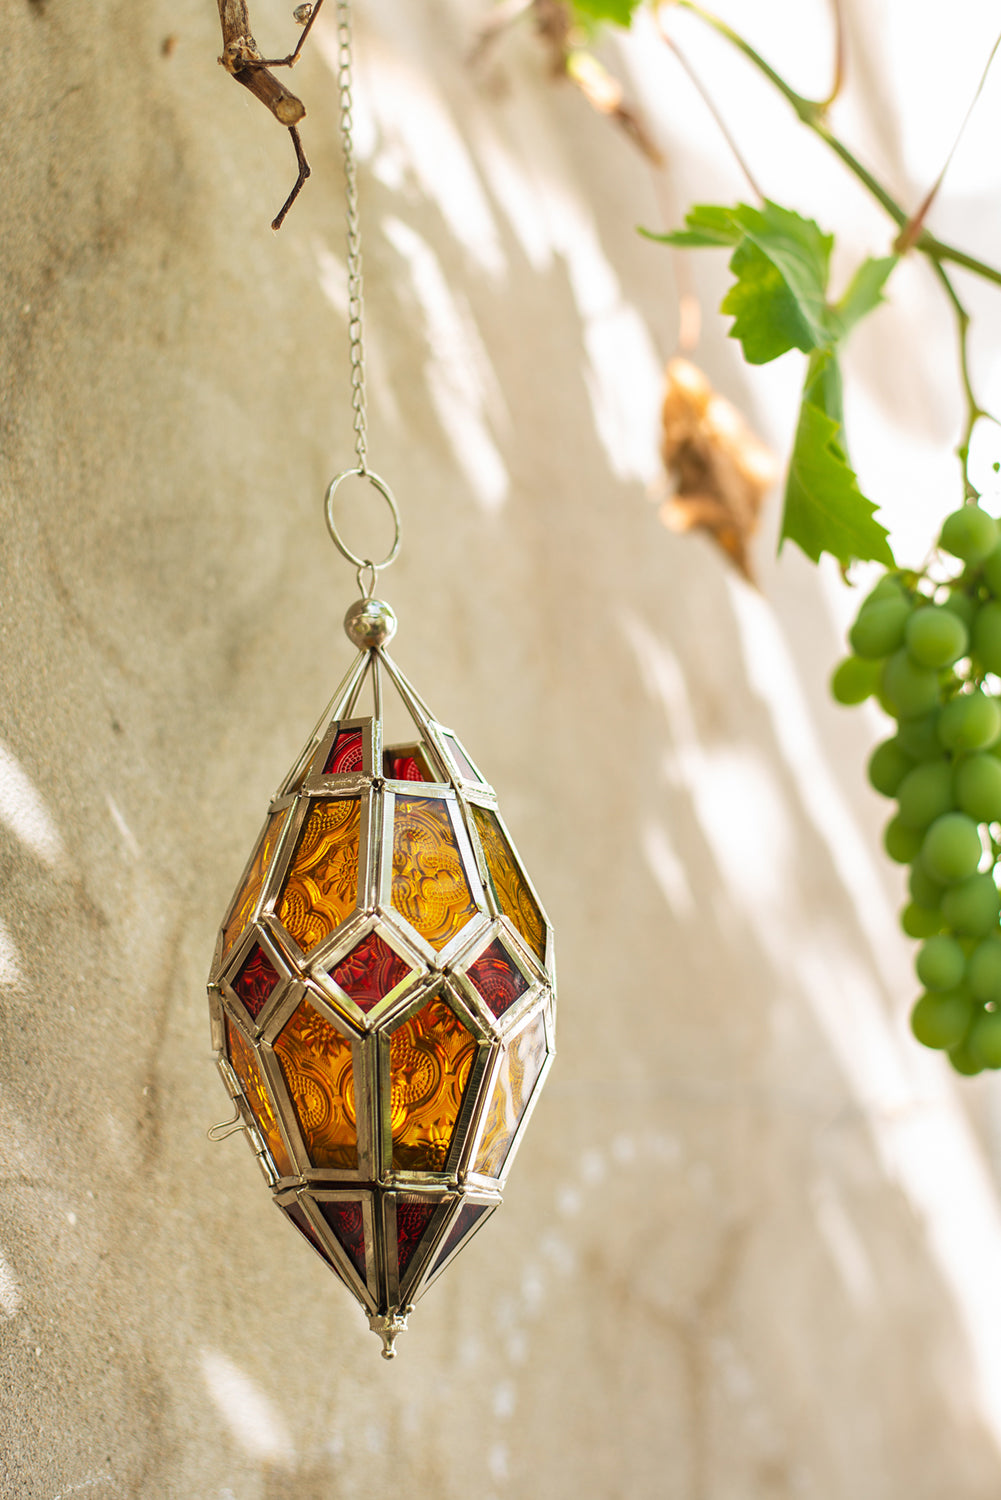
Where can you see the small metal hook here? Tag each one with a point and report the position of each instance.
(225, 1128)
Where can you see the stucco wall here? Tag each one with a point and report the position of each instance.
(748, 1249)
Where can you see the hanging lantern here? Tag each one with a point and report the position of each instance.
(383, 993)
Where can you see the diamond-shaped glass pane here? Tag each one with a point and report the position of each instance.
(497, 977)
(243, 1060)
(412, 1219)
(321, 888)
(519, 1072)
(345, 754)
(347, 1222)
(510, 886)
(252, 882)
(256, 980)
(429, 1061)
(316, 1063)
(430, 887)
(370, 971)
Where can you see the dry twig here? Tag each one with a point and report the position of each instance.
(242, 59)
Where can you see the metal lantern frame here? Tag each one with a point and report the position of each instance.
(454, 1202)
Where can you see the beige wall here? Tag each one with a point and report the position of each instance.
(748, 1247)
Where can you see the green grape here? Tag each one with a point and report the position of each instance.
(926, 793)
(984, 1041)
(962, 604)
(902, 843)
(970, 722)
(854, 680)
(964, 1062)
(973, 906)
(983, 970)
(978, 788)
(888, 765)
(879, 628)
(920, 921)
(940, 963)
(925, 891)
(951, 850)
(919, 739)
(992, 570)
(942, 1020)
(935, 637)
(986, 636)
(969, 533)
(888, 587)
(911, 691)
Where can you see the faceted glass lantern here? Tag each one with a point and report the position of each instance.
(383, 993)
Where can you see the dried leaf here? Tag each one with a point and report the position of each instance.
(720, 470)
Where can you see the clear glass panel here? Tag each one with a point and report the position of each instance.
(243, 1060)
(430, 888)
(520, 1067)
(510, 886)
(316, 1063)
(321, 888)
(429, 1062)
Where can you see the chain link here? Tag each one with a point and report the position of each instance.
(355, 300)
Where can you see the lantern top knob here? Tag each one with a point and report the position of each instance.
(369, 623)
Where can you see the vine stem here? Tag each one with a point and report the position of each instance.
(811, 112)
(912, 235)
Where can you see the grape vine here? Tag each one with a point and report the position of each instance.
(925, 644)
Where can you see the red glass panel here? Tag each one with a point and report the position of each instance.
(370, 971)
(412, 1218)
(348, 1224)
(406, 763)
(469, 1214)
(256, 980)
(305, 1228)
(345, 754)
(498, 978)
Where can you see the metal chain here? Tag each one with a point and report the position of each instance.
(355, 301)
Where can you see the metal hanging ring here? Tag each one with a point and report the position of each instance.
(338, 540)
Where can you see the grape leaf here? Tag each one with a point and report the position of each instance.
(708, 224)
(825, 511)
(864, 293)
(618, 12)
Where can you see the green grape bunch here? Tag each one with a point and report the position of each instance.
(930, 653)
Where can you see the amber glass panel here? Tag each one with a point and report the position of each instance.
(430, 887)
(497, 977)
(255, 981)
(370, 971)
(321, 888)
(469, 1214)
(305, 1228)
(316, 1062)
(345, 754)
(245, 1065)
(510, 887)
(348, 1224)
(519, 1072)
(253, 881)
(429, 1062)
(412, 1218)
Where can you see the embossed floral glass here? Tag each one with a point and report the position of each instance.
(383, 995)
